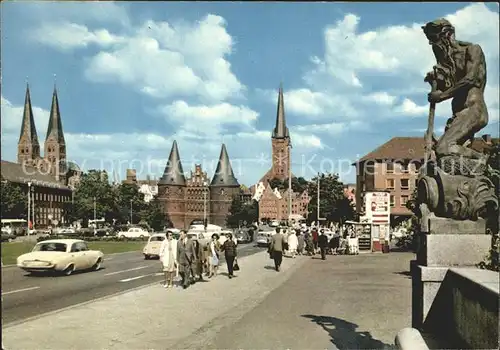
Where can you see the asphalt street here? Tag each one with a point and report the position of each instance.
(26, 296)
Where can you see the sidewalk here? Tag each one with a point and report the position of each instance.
(154, 317)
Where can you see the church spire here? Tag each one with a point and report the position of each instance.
(28, 128)
(280, 130)
(173, 173)
(55, 128)
(224, 176)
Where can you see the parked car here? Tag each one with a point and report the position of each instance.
(8, 237)
(264, 238)
(66, 231)
(152, 248)
(133, 232)
(61, 255)
(243, 236)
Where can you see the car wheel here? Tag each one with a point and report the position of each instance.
(146, 257)
(141, 236)
(69, 270)
(97, 265)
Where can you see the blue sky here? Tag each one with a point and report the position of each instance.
(132, 77)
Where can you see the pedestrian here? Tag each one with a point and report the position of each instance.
(199, 260)
(185, 257)
(315, 239)
(168, 258)
(214, 256)
(300, 243)
(276, 248)
(230, 253)
(293, 243)
(323, 244)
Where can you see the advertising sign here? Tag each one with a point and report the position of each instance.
(377, 207)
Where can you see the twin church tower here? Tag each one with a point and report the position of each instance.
(53, 161)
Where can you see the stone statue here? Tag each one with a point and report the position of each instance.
(452, 183)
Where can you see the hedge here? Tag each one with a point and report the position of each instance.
(93, 238)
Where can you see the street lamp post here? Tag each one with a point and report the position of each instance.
(131, 214)
(95, 211)
(33, 208)
(317, 204)
(29, 206)
(205, 205)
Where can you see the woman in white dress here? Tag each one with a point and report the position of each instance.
(213, 261)
(293, 243)
(168, 257)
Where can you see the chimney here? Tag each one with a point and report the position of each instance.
(487, 138)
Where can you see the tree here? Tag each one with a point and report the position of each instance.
(129, 201)
(154, 215)
(14, 201)
(240, 212)
(333, 205)
(299, 184)
(94, 184)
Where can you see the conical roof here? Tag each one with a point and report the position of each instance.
(224, 176)
(55, 128)
(280, 130)
(28, 126)
(173, 173)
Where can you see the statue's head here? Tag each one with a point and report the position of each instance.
(439, 32)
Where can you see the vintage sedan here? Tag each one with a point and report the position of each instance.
(62, 256)
(152, 248)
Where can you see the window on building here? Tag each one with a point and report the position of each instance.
(405, 184)
(392, 201)
(389, 167)
(389, 183)
(404, 200)
(404, 167)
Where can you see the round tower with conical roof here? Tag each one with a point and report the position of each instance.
(171, 189)
(223, 188)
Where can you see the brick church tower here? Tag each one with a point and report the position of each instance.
(281, 142)
(28, 147)
(171, 188)
(55, 146)
(223, 188)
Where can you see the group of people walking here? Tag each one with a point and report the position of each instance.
(192, 260)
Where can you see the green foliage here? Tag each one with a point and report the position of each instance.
(128, 201)
(334, 206)
(299, 184)
(14, 204)
(240, 212)
(153, 215)
(94, 184)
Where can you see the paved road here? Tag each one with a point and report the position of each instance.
(346, 302)
(26, 296)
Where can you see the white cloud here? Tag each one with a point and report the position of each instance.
(157, 58)
(355, 63)
(68, 36)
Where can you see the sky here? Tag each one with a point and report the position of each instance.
(132, 77)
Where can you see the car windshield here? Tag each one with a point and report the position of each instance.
(157, 239)
(50, 247)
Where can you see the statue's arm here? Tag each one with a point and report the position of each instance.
(474, 61)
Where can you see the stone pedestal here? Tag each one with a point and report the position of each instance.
(449, 243)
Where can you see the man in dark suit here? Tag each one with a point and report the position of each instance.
(186, 256)
(276, 248)
(323, 244)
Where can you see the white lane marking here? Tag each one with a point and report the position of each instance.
(122, 271)
(142, 276)
(133, 278)
(20, 290)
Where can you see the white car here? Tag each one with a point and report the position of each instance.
(264, 238)
(60, 255)
(152, 248)
(133, 232)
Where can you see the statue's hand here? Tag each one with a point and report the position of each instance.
(430, 77)
(435, 96)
